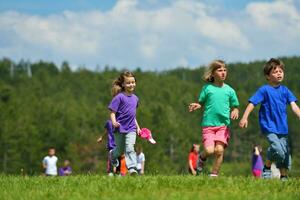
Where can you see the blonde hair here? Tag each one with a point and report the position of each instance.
(213, 66)
(117, 85)
(115, 89)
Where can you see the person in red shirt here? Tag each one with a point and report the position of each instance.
(193, 159)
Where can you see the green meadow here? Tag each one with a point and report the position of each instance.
(146, 187)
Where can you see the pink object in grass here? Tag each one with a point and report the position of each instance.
(146, 134)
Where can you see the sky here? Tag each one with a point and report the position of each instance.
(149, 34)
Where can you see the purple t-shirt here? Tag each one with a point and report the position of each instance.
(257, 162)
(125, 108)
(110, 135)
(64, 170)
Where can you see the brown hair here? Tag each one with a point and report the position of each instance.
(117, 85)
(213, 66)
(273, 63)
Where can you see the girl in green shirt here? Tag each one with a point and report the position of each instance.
(220, 105)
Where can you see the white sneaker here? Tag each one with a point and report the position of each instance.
(110, 174)
(213, 175)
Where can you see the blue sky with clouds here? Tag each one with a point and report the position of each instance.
(151, 34)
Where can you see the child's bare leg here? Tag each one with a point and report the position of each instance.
(268, 163)
(219, 153)
(207, 152)
(283, 172)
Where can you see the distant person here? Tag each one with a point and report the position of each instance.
(123, 116)
(274, 98)
(49, 163)
(109, 134)
(66, 169)
(140, 159)
(257, 161)
(193, 159)
(122, 169)
(220, 105)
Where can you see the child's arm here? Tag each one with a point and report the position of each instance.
(194, 106)
(44, 164)
(256, 152)
(234, 114)
(192, 168)
(138, 129)
(143, 167)
(101, 137)
(113, 119)
(295, 109)
(244, 121)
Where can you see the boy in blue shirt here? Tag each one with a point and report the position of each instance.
(273, 98)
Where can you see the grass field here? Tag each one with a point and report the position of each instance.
(147, 187)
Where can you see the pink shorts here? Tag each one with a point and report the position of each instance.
(213, 134)
(256, 173)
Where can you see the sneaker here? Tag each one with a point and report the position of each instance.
(133, 172)
(284, 178)
(200, 165)
(213, 175)
(110, 174)
(114, 162)
(266, 174)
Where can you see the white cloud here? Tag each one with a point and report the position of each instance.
(273, 15)
(180, 33)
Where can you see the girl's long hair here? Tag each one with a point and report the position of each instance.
(213, 66)
(117, 85)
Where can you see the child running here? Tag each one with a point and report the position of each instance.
(123, 117)
(217, 98)
(273, 98)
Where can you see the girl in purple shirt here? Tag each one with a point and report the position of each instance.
(123, 116)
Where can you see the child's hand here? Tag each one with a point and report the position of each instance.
(243, 123)
(116, 124)
(194, 106)
(138, 131)
(100, 139)
(234, 114)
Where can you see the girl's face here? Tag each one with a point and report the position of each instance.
(220, 74)
(276, 76)
(129, 84)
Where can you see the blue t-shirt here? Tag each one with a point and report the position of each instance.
(272, 112)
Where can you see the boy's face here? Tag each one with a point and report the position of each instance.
(276, 76)
(51, 152)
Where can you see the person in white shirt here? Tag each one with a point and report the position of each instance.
(49, 163)
(140, 158)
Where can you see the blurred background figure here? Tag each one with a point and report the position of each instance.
(193, 159)
(49, 163)
(257, 161)
(122, 168)
(66, 170)
(140, 158)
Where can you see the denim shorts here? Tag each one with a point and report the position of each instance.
(279, 151)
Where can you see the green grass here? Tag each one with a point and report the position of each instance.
(146, 187)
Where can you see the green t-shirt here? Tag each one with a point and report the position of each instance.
(217, 102)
